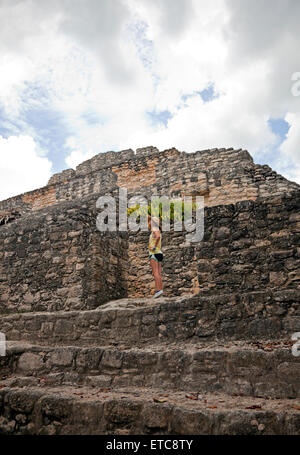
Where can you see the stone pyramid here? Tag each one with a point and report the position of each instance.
(89, 351)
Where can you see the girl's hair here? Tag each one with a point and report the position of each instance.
(156, 221)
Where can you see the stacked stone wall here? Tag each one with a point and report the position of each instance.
(222, 176)
(56, 259)
(247, 246)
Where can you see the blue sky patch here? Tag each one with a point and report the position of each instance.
(273, 157)
(93, 118)
(51, 134)
(144, 46)
(279, 127)
(8, 127)
(47, 128)
(208, 94)
(159, 117)
(39, 120)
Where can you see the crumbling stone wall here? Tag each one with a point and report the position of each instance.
(222, 176)
(247, 246)
(57, 259)
(53, 257)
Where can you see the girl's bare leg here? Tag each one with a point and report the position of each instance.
(160, 278)
(155, 272)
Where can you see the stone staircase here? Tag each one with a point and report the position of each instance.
(216, 361)
(219, 364)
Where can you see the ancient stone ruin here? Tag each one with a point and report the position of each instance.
(89, 351)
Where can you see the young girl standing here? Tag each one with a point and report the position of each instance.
(155, 253)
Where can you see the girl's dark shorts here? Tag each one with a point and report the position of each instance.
(159, 257)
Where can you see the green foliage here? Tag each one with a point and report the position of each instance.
(174, 212)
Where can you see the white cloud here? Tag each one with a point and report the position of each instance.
(290, 148)
(102, 65)
(21, 169)
(78, 156)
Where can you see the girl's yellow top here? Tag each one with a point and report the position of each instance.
(152, 240)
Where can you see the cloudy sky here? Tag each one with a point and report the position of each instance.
(80, 77)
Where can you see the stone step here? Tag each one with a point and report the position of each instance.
(267, 369)
(84, 410)
(254, 315)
